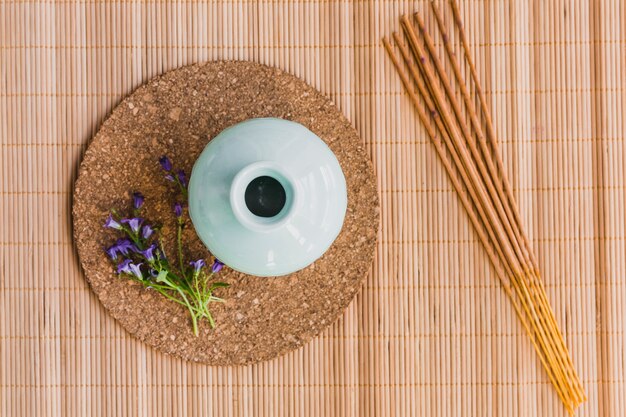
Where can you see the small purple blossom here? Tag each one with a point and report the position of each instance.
(124, 245)
(121, 246)
(112, 252)
(136, 270)
(124, 267)
(182, 178)
(111, 223)
(178, 210)
(128, 267)
(146, 231)
(217, 266)
(170, 177)
(165, 162)
(149, 253)
(137, 200)
(134, 223)
(198, 265)
(153, 273)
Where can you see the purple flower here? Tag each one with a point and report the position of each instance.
(136, 270)
(165, 162)
(198, 265)
(217, 266)
(112, 224)
(182, 178)
(130, 268)
(121, 246)
(112, 252)
(134, 223)
(153, 272)
(124, 245)
(137, 200)
(178, 209)
(124, 267)
(149, 253)
(169, 177)
(147, 231)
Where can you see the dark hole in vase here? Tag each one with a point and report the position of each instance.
(265, 196)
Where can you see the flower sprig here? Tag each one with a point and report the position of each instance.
(140, 255)
(179, 178)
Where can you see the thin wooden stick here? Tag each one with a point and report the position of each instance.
(490, 130)
(482, 169)
(546, 315)
(472, 171)
(468, 208)
(497, 175)
(493, 141)
(509, 194)
(432, 109)
(544, 334)
(436, 140)
(511, 255)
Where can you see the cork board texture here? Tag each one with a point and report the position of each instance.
(177, 114)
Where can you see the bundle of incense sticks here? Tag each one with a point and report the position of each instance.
(468, 149)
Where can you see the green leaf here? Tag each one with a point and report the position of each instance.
(162, 276)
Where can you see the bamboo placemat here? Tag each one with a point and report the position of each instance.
(431, 332)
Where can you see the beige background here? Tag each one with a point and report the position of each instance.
(431, 333)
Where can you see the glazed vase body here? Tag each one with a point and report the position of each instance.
(267, 197)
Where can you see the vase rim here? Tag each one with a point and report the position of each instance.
(237, 196)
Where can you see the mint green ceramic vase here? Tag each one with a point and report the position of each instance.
(267, 197)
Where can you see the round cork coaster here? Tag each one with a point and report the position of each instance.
(177, 114)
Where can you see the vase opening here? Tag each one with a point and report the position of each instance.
(265, 196)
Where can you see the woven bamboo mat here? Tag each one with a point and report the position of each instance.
(431, 333)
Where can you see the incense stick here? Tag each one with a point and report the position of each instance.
(500, 272)
(511, 259)
(504, 211)
(480, 180)
(507, 187)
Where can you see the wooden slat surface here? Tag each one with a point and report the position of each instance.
(431, 333)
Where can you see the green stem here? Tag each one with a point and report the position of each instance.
(179, 234)
(160, 239)
(197, 292)
(179, 282)
(134, 237)
(191, 311)
(163, 291)
(182, 188)
(211, 321)
(194, 321)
